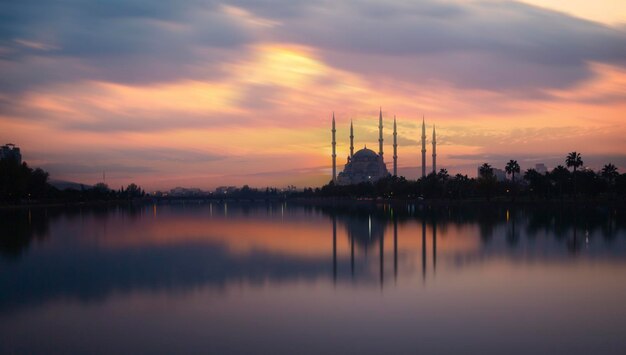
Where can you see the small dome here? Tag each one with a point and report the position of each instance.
(364, 153)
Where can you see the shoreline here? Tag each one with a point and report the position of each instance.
(342, 201)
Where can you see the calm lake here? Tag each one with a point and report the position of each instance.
(281, 278)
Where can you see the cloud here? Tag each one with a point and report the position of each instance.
(164, 154)
(487, 45)
(131, 41)
(171, 155)
(79, 169)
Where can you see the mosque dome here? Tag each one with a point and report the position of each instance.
(364, 154)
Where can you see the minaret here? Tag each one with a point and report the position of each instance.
(351, 140)
(334, 143)
(380, 133)
(395, 148)
(434, 151)
(423, 148)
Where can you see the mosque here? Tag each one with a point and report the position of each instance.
(365, 165)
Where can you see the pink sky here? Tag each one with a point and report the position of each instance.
(192, 95)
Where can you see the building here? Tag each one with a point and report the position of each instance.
(10, 151)
(499, 174)
(367, 165)
(364, 165)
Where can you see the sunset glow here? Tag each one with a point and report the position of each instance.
(244, 93)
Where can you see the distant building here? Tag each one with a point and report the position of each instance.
(499, 174)
(10, 151)
(541, 168)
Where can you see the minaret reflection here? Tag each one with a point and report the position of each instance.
(382, 259)
(351, 256)
(423, 248)
(434, 245)
(395, 248)
(334, 248)
(365, 232)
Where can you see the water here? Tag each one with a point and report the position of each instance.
(281, 278)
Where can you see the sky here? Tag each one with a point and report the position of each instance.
(207, 93)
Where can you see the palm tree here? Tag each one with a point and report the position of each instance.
(574, 160)
(460, 184)
(443, 175)
(559, 175)
(609, 172)
(487, 180)
(511, 168)
(532, 176)
(485, 171)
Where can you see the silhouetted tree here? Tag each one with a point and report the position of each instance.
(559, 176)
(443, 177)
(487, 180)
(133, 191)
(460, 185)
(590, 183)
(620, 184)
(19, 181)
(537, 183)
(609, 173)
(511, 168)
(575, 161)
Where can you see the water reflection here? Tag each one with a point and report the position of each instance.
(19, 228)
(91, 256)
(111, 235)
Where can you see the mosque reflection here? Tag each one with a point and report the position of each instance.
(373, 231)
(366, 232)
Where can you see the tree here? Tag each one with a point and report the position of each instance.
(536, 181)
(485, 171)
(38, 183)
(609, 173)
(487, 180)
(511, 168)
(133, 191)
(19, 181)
(100, 191)
(460, 185)
(558, 176)
(443, 177)
(575, 161)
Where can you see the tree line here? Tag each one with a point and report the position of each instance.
(20, 183)
(559, 183)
